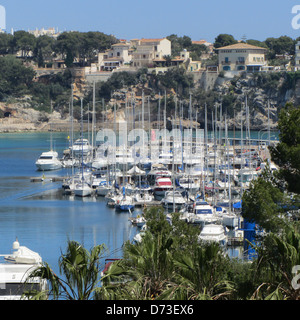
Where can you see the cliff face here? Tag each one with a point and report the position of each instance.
(264, 94)
(20, 117)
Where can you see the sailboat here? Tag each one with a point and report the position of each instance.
(82, 188)
(48, 160)
(126, 203)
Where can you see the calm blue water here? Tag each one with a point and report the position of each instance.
(41, 220)
(32, 212)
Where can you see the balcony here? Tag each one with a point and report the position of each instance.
(240, 62)
(226, 63)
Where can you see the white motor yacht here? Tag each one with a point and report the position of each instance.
(81, 146)
(173, 197)
(15, 270)
(48, 161)
(189, 184)
(203, 213)
(124, 158)
(213, 232)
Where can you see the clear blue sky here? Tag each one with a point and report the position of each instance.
(128, 19)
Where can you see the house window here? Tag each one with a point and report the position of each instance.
(226, 68)
(226, 59)
(118, 54)
(144, 56)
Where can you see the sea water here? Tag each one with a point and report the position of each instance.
(40, 216)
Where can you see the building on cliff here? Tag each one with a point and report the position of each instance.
(241, 57)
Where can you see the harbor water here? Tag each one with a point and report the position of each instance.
(41, 216)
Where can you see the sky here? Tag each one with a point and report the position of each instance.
(130, 19)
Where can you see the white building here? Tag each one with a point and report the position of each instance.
(241, 57)
(117, 56)
(51, 32)
(147, 50)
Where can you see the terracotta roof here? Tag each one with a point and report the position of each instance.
(151, 40)
(240, 46)
(201, 42)
(121, 44)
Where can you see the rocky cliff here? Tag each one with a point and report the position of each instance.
(264, 94)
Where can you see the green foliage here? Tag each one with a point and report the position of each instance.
(257, 43)
(286, 152)
(290, 80)
(83, 45)
(223, 40)
(268, 81)
(15, 78)
(178, 80)
(277, 256)
(280, 46)
(169, 263)
(5, 43)
(178, 44)
(24, 41)
(261, 204)
(81, 270)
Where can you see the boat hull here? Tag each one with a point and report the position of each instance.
(48, 166)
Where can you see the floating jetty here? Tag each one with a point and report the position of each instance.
(44, 178)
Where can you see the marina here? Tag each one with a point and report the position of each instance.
(39, 208)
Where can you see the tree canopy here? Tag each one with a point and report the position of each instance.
(286, 152)
(223, 40)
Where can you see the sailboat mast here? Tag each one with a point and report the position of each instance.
(51, 141)
(93, 116)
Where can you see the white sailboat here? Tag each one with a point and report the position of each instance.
(48, 160)
(82, 188)
(143, 197)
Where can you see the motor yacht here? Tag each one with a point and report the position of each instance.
(203, 213)
(15, 270)
(162, 185)
(213, 233)
(173, 198)
(48, 161)
(189, 184)
(81, 147)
